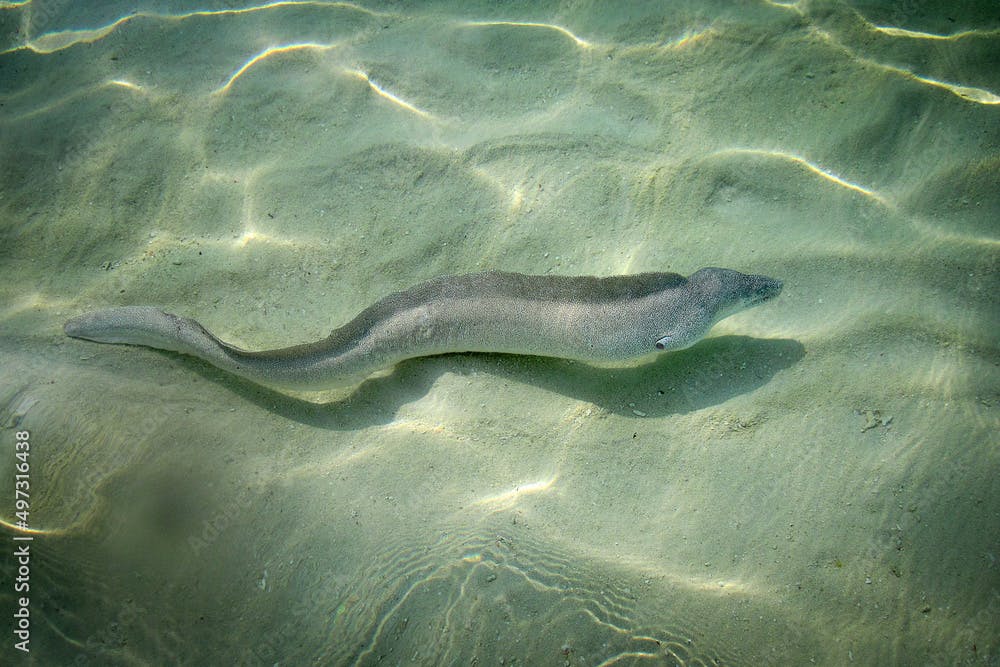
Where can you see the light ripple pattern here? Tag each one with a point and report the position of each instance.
(814, 482)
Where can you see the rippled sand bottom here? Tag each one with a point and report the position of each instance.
(815, 482)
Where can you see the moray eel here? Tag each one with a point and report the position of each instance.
(585, 318)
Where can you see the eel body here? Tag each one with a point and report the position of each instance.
(585, 318)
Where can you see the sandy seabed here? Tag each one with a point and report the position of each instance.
(814, 483)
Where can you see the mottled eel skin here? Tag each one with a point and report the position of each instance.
(586, 318)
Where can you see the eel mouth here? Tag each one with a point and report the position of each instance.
(765, 289)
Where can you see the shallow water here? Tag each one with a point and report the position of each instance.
(816, 482)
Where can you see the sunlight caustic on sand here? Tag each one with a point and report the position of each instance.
(916, 34)
(30, 301)
(126, 84)
(59, 103)
(267, 53)
(251, 235)
(13, 527)
(690, 37)
(508, 499)
(970, 93)
(823, 173)
(579, 41)
(784, 5)
(56, 41)
(385, 94)
(274, 169)
(285, 3)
